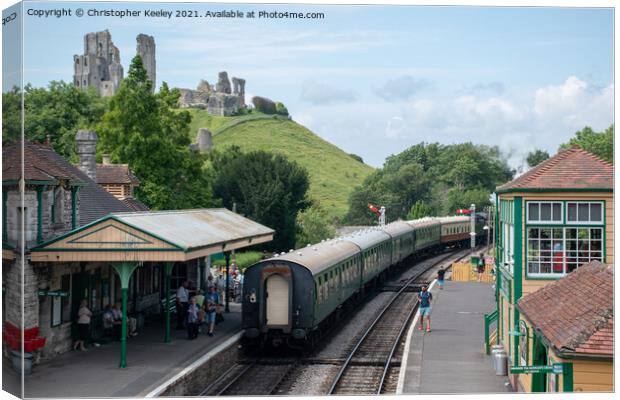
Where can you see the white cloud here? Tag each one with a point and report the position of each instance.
(573, 104)
(321, 93)
(541, 119)
(401, 88)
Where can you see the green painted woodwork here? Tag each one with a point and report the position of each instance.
(124, 271)
(167, 276)
(567, 373)
(140, 240)
(40, 190)
(488, 319)
(74, 210)
(539, 358)
(227, 294)
(518, 267)
(42, 246)
(123, 363)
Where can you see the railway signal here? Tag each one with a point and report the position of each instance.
(379, 212)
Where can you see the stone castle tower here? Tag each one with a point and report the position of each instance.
(100, 65)
(145, 48)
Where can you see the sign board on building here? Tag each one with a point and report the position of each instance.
(53, 293)
(534, 369)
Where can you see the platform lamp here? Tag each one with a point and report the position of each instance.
(472, 232)
(486, 228)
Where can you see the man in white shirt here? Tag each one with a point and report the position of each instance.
(182, 304)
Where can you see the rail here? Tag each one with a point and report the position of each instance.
(394, 345)
(488, 320)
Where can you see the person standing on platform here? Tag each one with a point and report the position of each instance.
(480, 267)
(192, 319)
(182, 304)
(440, 277)
(211, 304)
(425, 297)
(83, 322)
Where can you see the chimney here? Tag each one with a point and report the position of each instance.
(106, 159)
(204, 140)
(86, 142)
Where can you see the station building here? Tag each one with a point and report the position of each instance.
(558, 326)
(550, 221)
(67, 238)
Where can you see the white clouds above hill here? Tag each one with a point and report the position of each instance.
(542, 118)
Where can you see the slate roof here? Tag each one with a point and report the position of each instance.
(572, 168)
(135, 204)
(115, 173)
(576, 312)
(43, 163)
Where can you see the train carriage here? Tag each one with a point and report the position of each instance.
(427, 234)
(455, 230)
(375, 247)
(294, 292)
(402, 240)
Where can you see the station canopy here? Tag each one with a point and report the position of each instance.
(164, 236)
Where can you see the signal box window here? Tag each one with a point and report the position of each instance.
(544, 212)
(584, 213)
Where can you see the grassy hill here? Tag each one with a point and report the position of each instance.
(333, 173)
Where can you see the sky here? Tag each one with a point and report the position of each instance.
(373, 80)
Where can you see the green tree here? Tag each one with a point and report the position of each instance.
(421, 209)
(58, 111)
(141, 129)
(281, 109)
(599, 143)
(536, 157)
(313, 225)
(464, 199)
(266, 187)
(443, 176)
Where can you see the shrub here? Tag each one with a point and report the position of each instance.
(356, 157)
(264, 105)
(281, 109)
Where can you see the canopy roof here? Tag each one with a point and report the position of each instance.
(155, 236)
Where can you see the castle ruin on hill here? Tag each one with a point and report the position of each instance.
(221, 100)
(100, 65)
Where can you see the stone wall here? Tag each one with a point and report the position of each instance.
(145, 48)
(14, 211)
(100, 65)
(223, 100)
(13, 295)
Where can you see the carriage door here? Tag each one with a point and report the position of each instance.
(277, 298)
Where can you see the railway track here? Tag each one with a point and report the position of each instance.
(366, 370)
(259, 377)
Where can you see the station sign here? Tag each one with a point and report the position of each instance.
(534, 369)
(53, 293)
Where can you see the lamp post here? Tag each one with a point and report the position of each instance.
(486, 228)
(472, 232)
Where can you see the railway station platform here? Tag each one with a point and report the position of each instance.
(96, 372)
(451, 358)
